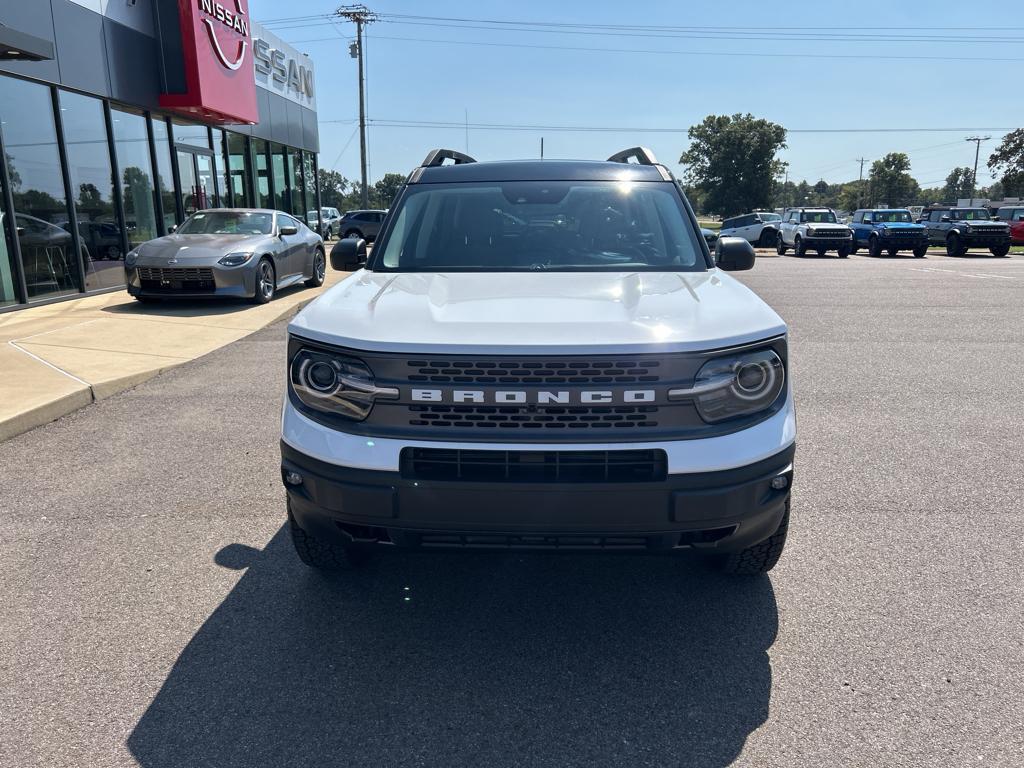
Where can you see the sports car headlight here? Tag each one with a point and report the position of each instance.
(131, 257)
(336, 384)
(235, 259)
(737, 385)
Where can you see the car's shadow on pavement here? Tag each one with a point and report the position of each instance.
(172, 307)
(468, 659)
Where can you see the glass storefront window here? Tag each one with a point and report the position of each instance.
(259, 162)
(239, 170)
(37, 184)
(309, 175)
(191, 134)
(279, 158)
(8, 294)
(298, 188)
(92, 190)
(131, 143)
(220, 169)
(162, 145)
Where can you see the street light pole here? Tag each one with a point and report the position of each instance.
(360, 15)
(977, 152)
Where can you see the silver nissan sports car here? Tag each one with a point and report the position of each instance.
(227, 252)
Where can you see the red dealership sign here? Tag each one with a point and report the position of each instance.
(220, 83)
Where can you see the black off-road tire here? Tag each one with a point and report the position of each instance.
(323, 555)
(353, 233)
(955, 246)
(319, 269)
(920, 251)
(780, 245)
(767, 238)
(1000, 250)
(799, 248)
(875, 246)
(761, 557)
(844, 251)
(893, 251)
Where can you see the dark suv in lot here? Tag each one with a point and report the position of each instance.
(960, 229)
(361, 224)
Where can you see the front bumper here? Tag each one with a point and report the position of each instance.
(985, 239)
(191, 282)
(828, 243)
(725, 511)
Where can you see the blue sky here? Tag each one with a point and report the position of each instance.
(490, 76)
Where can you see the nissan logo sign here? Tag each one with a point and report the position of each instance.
(284, 70)
(233, 20)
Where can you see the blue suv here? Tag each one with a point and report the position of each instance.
(888, 229)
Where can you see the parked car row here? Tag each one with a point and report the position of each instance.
(881, 230)
(330, 223)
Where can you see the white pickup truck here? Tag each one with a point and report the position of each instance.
(813, 229)
(539, 355)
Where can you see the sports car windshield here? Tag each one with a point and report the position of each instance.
(228, 223)
(892, 217)
(541, 225)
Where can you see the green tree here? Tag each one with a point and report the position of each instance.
(386, 189)
(732, 160)
(1007, 162)
(852, 195)
(333, 189)
(890, 180)
(89, 197)
(959, 183)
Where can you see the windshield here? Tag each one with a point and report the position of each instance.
(818, 217)
(889, 217)
(228, 223)
(312, 215)
(770, 217)
(973, 214)
(534, 225)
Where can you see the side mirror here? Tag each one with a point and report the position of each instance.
(734, 254)
(172, 229)
(288, 230)
(349, 254)
(945, 218)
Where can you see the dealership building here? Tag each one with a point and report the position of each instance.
(119, 118)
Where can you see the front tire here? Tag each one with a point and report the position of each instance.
(266, 282)
(875, 247)
(1000, 250)
(353, 233)
(780, 245)
(765, 240)
(920, 251)
(798, 246)
(954, 246)
(319, 270)
(323, 555)
(761, 557)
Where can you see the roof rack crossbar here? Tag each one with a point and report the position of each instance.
(436, 157)
(642, 155)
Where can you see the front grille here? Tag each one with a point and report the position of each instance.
(635, 466)
(907, 232)
(830, 233)
(543, 371)
(177, 278)
(539, 417)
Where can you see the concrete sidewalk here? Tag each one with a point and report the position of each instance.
(60, 357)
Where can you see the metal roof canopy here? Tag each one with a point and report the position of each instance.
(19, 46)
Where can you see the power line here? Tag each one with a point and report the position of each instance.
(748, 54)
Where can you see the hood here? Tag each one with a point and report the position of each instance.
(899, 225)
(982, 223)
(196, 248)
(536, 313)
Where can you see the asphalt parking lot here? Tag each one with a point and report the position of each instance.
(152, 612)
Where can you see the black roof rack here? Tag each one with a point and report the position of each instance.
(436, 157)
(643, 156)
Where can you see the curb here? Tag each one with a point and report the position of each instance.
(62, 406)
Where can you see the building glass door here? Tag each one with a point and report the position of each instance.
(195, 172)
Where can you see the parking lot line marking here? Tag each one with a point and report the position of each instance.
(49, 364)
(980, 275)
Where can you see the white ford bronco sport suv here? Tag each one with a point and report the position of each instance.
(539, 355)
(813, 229)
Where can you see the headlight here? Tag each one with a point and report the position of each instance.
(810, 231)
(235, 259)
(131, 257)
(336, 384)
(737, 385)
(886, 232)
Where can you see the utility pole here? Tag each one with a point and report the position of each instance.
(860, 180)
(360, 15)
(977, 151)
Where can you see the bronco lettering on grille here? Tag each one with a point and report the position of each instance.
(538, 397)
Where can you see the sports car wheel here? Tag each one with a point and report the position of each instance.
(266, 282)
(319, 269)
